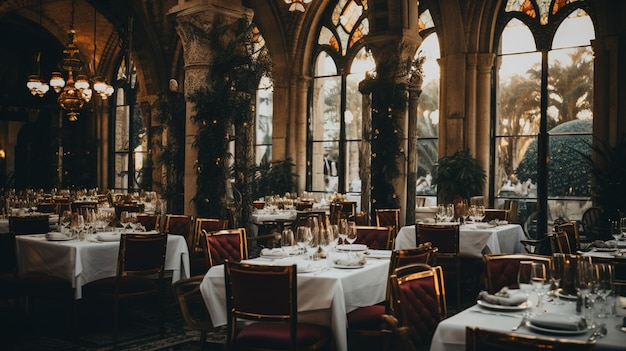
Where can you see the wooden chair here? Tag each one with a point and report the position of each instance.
(388, 217)
(83, 207)
(149, 221)
(361, 218)
(590, 221)
(364, 323)
(303, 217)
(225, 245)
(477, 339)
(573, 238)
(303, 206)
(268, 296)
(209, 225)
(341, 209)
(419, 300)
(46, 207)
(140, 269)
(496, 214)
(560, 243)
(180, 225)
(446, 239)
(193, 308)
(501, 270)
(400, 335)
(131, 207)
(512, 205)
(377, 238)
(38, 224)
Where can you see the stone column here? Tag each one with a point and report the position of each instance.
(197, 57)
(483, 112)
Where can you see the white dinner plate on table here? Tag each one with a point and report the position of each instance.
(556, 331)
(352, 266)
(491, 306)
(565, 296)
(307, 269)
(58, 237)
(353, 247)
(108, 236)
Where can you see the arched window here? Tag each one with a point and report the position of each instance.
(543, 122)
(264, 117)
(335, 128)
(128, 135)
(428, 110)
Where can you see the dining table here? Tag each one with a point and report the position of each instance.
(326, 292)
(475, 239)
(450, 333)
(83, 261)
(53, 221)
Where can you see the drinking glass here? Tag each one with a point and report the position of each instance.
(524, 281)
(538, 277)
(556, 274)
(342, 230)
(351, 234)
(604, 276)
(584, 286)
(303, 237)
(286, 238)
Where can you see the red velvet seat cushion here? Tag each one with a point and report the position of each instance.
(275, 336)
(366, 318)
(128, 285)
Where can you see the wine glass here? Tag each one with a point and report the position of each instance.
(287, 239)
(480, 213)
(342, 229)
(524, 281)
(351, 233)
(65, 221)
(303, 237)
(125, 220)
(604, 276)
(584, 286)
(556, 274)
(538, 276)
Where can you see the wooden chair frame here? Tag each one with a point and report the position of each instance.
(477, 339)
(490, 274)
(212, 258)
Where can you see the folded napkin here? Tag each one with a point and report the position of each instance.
(277, 252)
(559, 321)
(55, 235)
(350, 261)
(502, 299)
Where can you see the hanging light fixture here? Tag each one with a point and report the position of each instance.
(100, 86)
(35, 84)
(74, 91)
(297, 5)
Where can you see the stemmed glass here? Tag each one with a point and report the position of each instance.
(603, 273)
(584, 285)
(303, 237)
(524, 281)
(556, 274)
(480, 213)
(342, 230)
(351, 234)
(65, 221)
(287, 239)
(538, 276)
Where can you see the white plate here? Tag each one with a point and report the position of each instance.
(108, 237)
(348, 266)
(491, 306)
(307, 269)
(355, 247)
(566, 296)
(58, 238)
(275, 255)
(556, 331)
(485, 226)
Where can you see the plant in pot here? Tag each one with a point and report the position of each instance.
(458, 177)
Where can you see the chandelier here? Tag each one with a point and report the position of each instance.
(74, 91)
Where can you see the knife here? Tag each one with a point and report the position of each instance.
(498, 314)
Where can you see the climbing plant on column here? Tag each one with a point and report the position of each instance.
(225, 111)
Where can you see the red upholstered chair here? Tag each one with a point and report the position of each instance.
(446, 239)
(199, 260)
(130, 207)
(419, 300)
(341, 209)
(495, 214)
(388, 217)
(400, 335)
(364, 323)
(140, 268)
(501, 270)
(180, 225)
(267, 295)
(149, 221)
(20, 225)
(377, 238)
(228, 244)
(477, 339)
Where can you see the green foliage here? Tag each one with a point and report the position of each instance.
(459, 176)
(275, 178)
(568, 172)
(227, 103)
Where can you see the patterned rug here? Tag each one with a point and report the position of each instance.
(49, 328)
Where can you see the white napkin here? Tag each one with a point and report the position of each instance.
(503, 300)
(558, 321)
(276, 252)
(349, 261)
(55, 235)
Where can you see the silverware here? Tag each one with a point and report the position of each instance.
(498, 314)
(598, 333)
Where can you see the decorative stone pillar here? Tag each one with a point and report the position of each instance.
(483, 112)
(197, 55)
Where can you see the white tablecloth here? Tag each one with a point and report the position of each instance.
(323, 297)
(473, 241)
(84, 261)
(450, 334)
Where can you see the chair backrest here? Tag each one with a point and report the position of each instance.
(303, 206)
(142, 254)
(8, 254)
(180, 225)
(400, 335)
(560, 243)
(501, 269)
(496, 214)
(150, 221)
(424, 253)
(341, 209)
(132, 207)
(477, 339)
(512, 205)
(444, 237)
(418, 296)
(377, 238)
(83, 207)
(227, 244)
(209, 225)
(39, 224)
(590, 221)
(303, 216)
(361, 218)
(46, 207)
(568, 265)
(573, 238)
(261, 293)
(388, 217)
(192, 306)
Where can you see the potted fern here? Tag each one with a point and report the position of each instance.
(458, 177)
